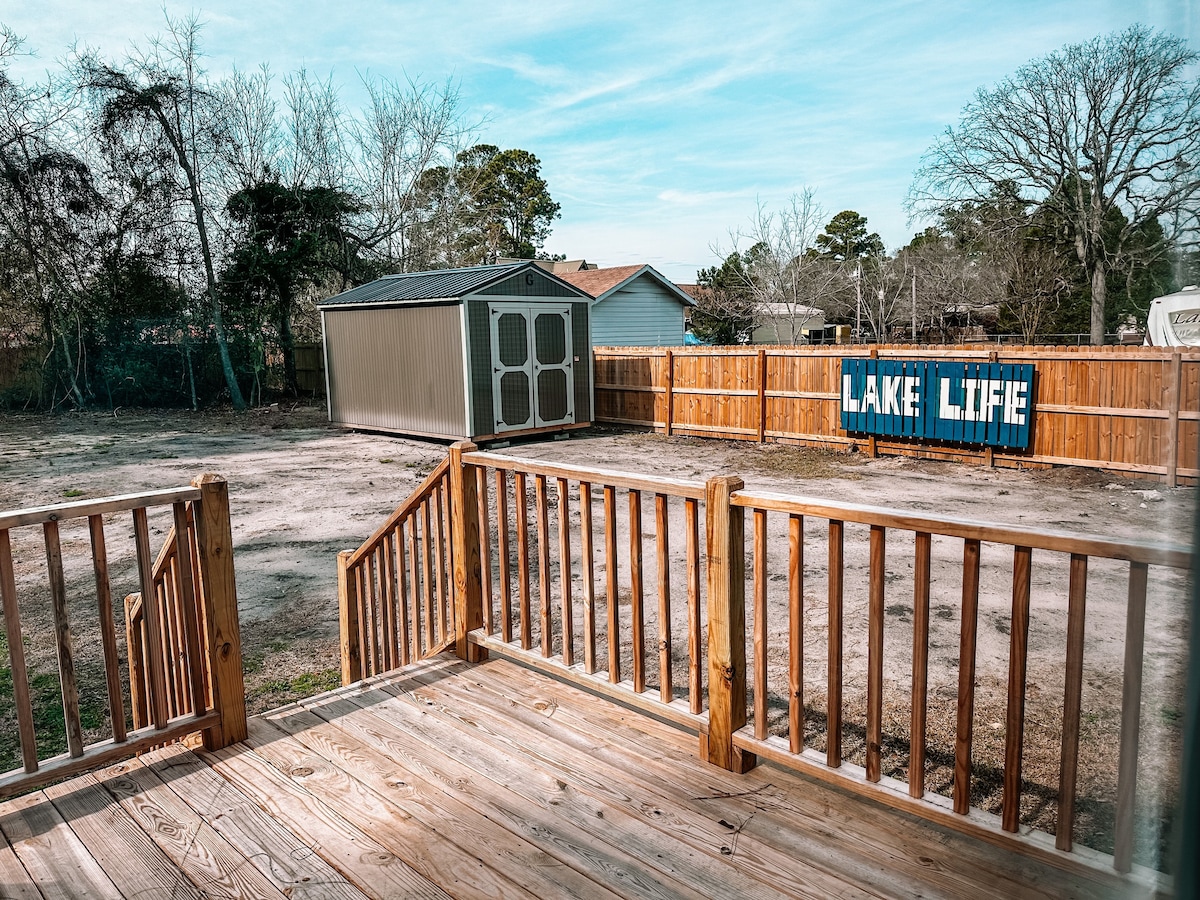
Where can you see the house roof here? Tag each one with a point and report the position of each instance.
(417, 286)
(601, 283)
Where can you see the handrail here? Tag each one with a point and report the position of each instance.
(1172, 555)
(403, 511)
(676, 487)
(81, 509)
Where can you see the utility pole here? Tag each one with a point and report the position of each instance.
(858, 303)
(914, 307)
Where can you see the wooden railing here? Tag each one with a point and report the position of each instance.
(548, 561)
(394, 591)
(184, 653)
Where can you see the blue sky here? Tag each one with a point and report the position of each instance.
(660, 126)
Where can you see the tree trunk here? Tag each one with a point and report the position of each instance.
(287, 343)
(1099, 298)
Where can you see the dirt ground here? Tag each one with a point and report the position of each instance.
(301, 491)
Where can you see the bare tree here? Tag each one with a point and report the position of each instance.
(253, 141)
(162, 85)
(783, 278)
(1111, 124)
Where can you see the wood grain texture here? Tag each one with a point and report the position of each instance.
(833, 708)
(587, 576)
(155, 643)
(637, 615)
(566, 612)
(920, 665)
(796, 633)
(1072, 702)
(875, 615)
(16, 655)
(966, 678)
(541, 509)
(612, 599)
(108, 629)
(502, 551)
(759, 664)
(1131, 707)
(521, 510)
(695, 662)
(662, 546)
(1018, 652)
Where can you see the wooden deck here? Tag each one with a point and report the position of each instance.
(485, 780)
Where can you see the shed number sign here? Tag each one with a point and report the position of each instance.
(972, 403)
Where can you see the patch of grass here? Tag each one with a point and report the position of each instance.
(306, 684)
(45, 696)
(387, 459)
(72, 492)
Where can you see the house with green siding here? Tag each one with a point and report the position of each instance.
(633, 306)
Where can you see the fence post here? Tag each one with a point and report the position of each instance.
(214, 538)
(1176, 394)
(464, 538)
(726, 547)
(670, 415)
(352, 667)
(762, 396)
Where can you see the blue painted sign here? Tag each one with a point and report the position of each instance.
(972, 403)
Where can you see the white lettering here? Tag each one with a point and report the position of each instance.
(1015, 403)
(891, 395)
(971, 403)
(849, 401)
(993, 397)
(946, 409)
(908, 394)
(870, 397)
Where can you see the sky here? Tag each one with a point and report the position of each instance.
(661, 126)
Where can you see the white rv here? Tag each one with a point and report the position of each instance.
(1174, 320)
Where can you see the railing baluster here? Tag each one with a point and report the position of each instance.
(542, 514)
(172, 645)
(611, 586)
(587, 577)
(108, 631)
(387, 573)
(402, 612)
(427, 576)
(1131, 708)
(502, 551)
(875, 606)
(833, 674)
(564, 572)
(418, 585)
(362, 591)
(966, 677)
(662, 528)
(1014, 726)
(370, 573)
(760, 624)
(522, 513)
(16, 655)
(135, 644)
(1072, 701)
(637, 637)
(920, 665)
(485, 548)
(795, 633)
(150, 611)
(191, 621)
(443, 560)
(695, 663)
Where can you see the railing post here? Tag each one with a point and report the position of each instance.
(726, 547)
(464, 537)
(214, 537)
(352, 668)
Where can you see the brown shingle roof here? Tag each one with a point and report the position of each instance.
(599, 281)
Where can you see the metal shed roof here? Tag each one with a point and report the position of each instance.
(419, 286)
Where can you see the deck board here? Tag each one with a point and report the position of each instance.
(489, 780)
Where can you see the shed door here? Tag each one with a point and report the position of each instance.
(532, 366)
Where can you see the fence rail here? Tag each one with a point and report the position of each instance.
(550, 569)
(183, 649)
(1128, 409)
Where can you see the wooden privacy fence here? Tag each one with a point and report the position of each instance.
(1129, 409)
(549, 569)
(183, 648)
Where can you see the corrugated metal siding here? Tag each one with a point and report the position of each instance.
(397, 369)
(418, 286)
(639, 315)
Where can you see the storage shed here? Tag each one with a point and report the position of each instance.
(635, 306)
(460, 353)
